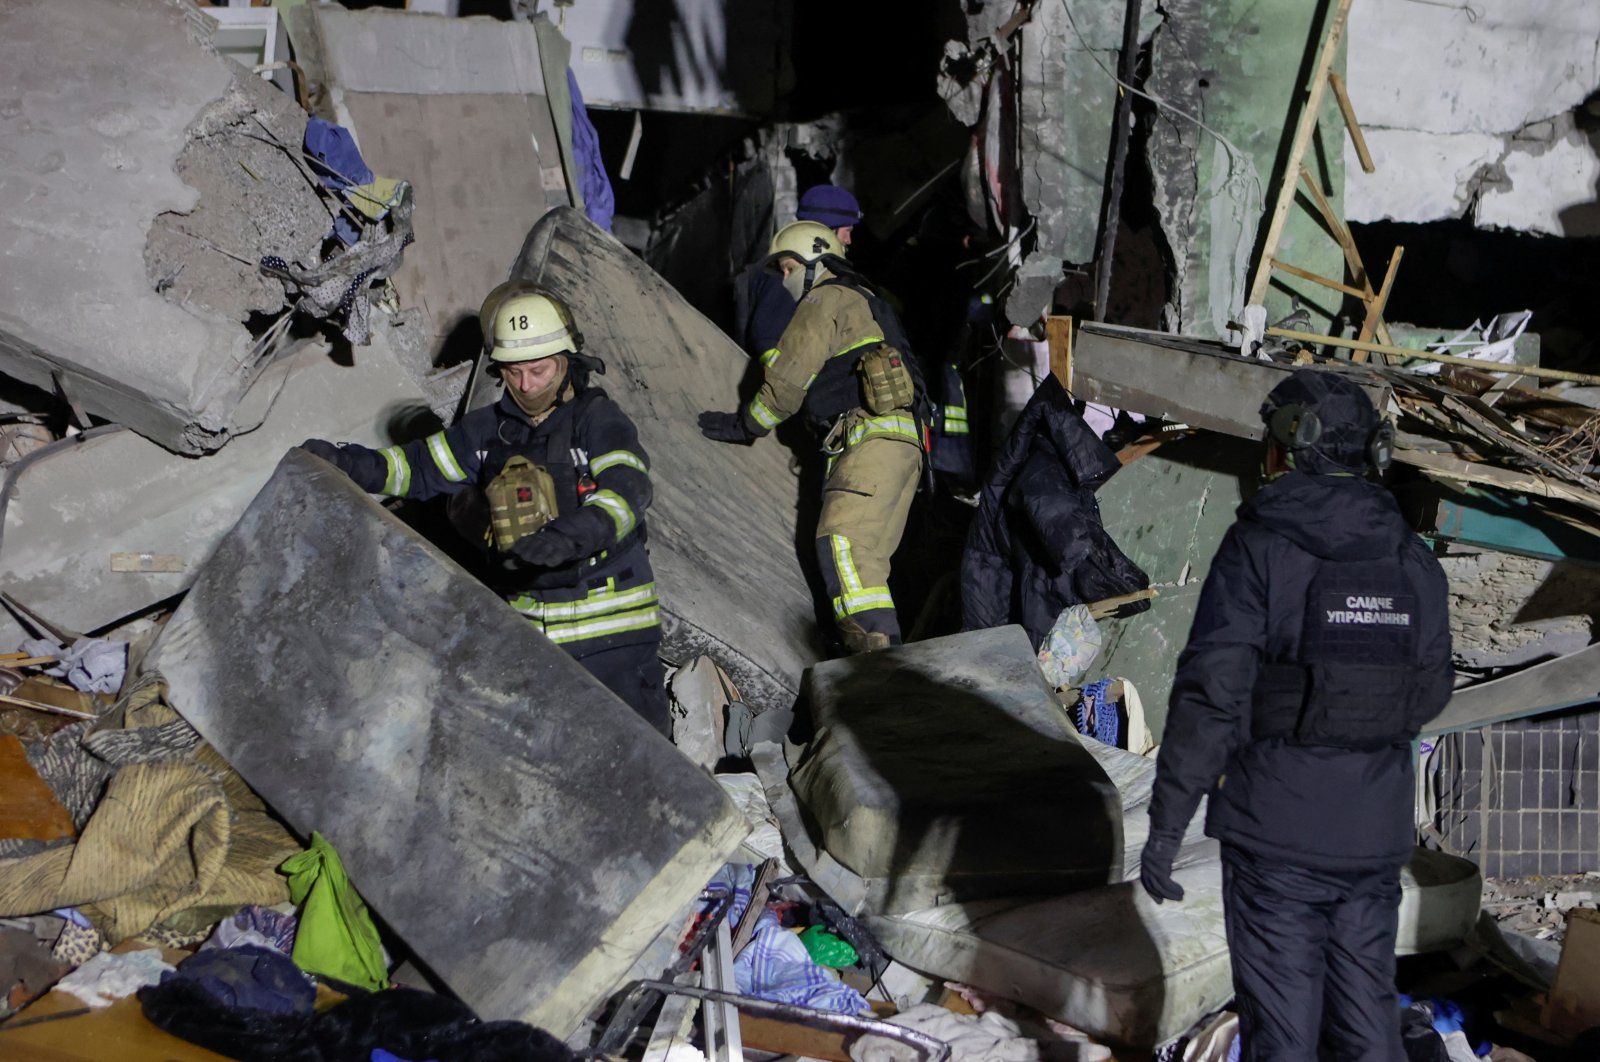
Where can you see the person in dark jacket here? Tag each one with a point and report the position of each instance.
(764, 306)
(1320, 646)
(583, 576)
(1037, 545)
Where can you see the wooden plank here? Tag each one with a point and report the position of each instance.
(1428, 355)
(1317, 278)
(1297, 149)
(1347, 243)
(1379, 301)
(1347, 109)
(30, 811)
(788, 1038)
(1058, 334)
(146, 562)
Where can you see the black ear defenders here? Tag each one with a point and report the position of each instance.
(1297, 428)
(1380, 445)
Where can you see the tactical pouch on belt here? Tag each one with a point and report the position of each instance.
(522, 499)
(886, 383)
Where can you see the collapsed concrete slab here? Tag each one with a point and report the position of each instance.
(144, 176)
(98, 528)
(522, 830)
(723, 523)
(945, 771)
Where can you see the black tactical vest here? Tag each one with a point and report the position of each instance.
(837, 388)
(1355, 683)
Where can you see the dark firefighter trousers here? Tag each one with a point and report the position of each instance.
(1313, 959)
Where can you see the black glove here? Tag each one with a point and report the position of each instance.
(366, 468)
(545, 548)
(1155, 865)
(324, 449)
(725, 427)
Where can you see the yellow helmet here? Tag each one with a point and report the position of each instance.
(807, 241)
(522, 322)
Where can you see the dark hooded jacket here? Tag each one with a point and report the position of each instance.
(1037, 545)
(1312, 805)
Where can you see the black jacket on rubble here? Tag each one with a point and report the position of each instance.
(1036, 545)
(1317, 806)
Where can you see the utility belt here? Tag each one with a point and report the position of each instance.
(1346, 705)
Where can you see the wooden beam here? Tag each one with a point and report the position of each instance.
(1378, 302)
(1297, 149)
(1317, 278)
(1445, 359)
(1058, 333)
(1347, 244)
(1347, 109)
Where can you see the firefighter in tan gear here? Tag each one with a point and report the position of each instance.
(845, 365)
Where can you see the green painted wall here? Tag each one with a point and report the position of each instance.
(1238, 65)
(1168, 511)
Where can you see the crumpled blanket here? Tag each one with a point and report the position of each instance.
(92, 665)
(775, 965)
(168, 836)
(989, 1037)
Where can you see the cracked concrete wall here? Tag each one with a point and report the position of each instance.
(1478, 113)
(1237, 66)
(101, 103)
(1069, 57)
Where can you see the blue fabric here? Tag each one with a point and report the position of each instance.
(598, 200)
(248, 977)
(771, 310)
(380, 1055)
(1107, 725)
(335, 156)
(775, 966)
(338, 162)
(829, 204)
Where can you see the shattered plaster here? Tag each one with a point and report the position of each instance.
(1493, 137)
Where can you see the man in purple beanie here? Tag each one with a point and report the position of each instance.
(763, 306)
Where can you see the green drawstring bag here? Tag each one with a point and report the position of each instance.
(826, 949)
(336, 937)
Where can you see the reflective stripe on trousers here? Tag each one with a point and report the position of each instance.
(602, 613)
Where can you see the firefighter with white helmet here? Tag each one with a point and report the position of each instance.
(551, 481)
(844, 363)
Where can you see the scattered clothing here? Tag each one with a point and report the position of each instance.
(1096, 716)
(405, 1023)
(775, 965)
(334, 155)
(1037, 545)
(989, 1037)
(1071, 647)
(92, 665)
(335, 936)
(78, 942)
(106, 978)
(248, 977)
(166, 837)
(258, 925)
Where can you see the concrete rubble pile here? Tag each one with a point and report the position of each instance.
(282, 773)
